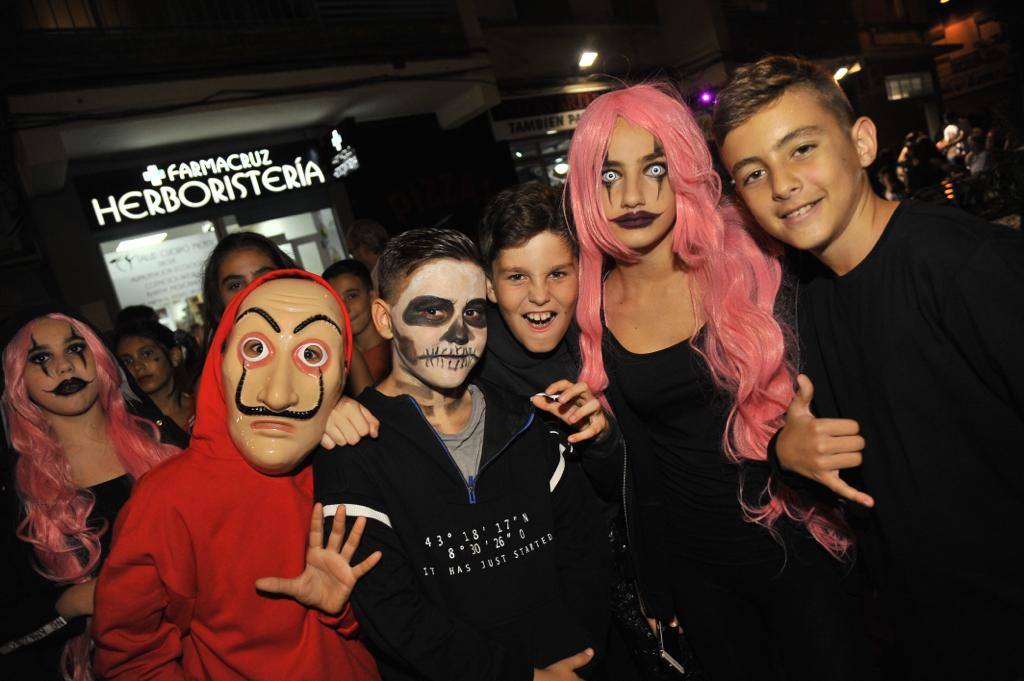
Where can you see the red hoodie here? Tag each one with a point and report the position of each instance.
(176, 597)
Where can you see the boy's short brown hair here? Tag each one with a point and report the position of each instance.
(518, 214)
(755, 86)
(410, 250)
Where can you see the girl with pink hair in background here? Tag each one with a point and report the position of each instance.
(678, 331)
(73, 452)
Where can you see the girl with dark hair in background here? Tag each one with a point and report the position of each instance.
(353, 282)
(151, 353)
(238, 260)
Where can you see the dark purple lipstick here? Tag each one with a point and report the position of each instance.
(69, 386)
(637, 220)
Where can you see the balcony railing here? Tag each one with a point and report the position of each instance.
(83, 15)
(82, 42)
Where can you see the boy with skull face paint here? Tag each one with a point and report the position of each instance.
(184, 593)
(494, 565)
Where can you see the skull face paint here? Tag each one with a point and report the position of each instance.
(61, 373)
(439, 323)
(283, 370)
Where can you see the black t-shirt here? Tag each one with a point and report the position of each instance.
(921, 343)
(672, 393)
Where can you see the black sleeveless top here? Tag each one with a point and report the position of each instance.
(110, 497)
(672, 393)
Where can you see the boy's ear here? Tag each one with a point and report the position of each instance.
(865, 140)
(176, 357)
(380, 312)
(491, 295)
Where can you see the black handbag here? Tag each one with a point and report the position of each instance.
(649, 650)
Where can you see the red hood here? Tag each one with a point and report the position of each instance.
(211, 428)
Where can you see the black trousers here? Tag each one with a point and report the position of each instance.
(795, 619)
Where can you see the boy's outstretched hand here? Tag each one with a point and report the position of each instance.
(817, 448)
(575, 405)
(348, 423)
(329, 577)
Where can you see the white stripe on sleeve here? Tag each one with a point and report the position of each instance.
(357, 511)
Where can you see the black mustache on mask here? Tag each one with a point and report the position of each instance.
(286, 414)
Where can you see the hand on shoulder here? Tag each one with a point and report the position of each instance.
(348, 423)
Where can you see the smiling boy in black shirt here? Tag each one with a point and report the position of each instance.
(911, 322)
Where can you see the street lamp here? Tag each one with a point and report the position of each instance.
(587, 59)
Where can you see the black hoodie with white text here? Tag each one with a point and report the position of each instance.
(481, 579)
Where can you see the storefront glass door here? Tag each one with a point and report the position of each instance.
(311, 239)
(163, 270)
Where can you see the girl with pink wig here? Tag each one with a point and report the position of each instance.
(678, 331)
(73, 452)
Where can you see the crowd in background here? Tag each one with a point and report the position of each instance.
(979, 168)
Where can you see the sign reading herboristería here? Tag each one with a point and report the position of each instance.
(119, 197)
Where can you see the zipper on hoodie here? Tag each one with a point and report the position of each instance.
(473, 479)
(629, 540)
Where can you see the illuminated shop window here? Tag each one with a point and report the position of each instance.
(908, 85)
(162, 269)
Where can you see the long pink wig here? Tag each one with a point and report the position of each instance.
(56, 511)
(737, 281)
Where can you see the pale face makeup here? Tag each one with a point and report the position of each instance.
(439, 324)
(283, 371)
(637, 197)
(60, 374)
(535, 286)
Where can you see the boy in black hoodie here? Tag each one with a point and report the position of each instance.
(494, 560)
